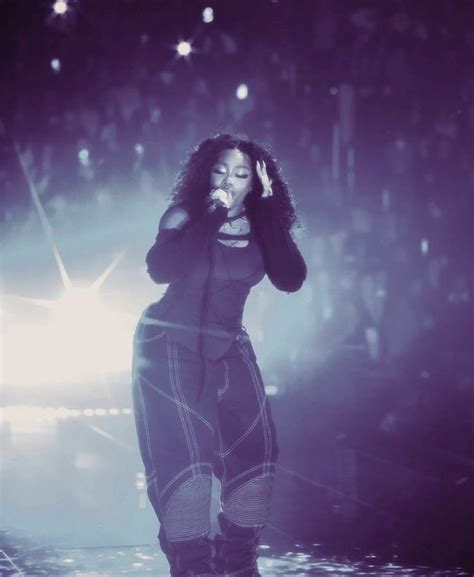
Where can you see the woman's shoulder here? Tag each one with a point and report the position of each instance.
(175, 216)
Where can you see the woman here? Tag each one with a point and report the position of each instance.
(199, 400)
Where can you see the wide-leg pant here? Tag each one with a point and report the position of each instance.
(183, 440)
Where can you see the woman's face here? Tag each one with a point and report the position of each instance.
(233, 173)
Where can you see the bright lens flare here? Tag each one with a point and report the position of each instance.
(60, 7)
(242, 91)
(184, 48)
(81, 341)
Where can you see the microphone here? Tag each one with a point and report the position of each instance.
(222, 195)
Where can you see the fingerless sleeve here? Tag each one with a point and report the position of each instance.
(180, 241)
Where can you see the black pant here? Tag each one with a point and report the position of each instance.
(183, 440)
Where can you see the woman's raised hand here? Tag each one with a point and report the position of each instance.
(261, 168)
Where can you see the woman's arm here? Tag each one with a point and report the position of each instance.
(180, 241)
(284, 263)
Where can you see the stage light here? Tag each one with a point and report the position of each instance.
(208, 15)
(139, 149)
(242, 91)
(56, 64)
(271, 390)
(425, 246)
(184, 48)
(84, 157)
(140, 482)
(60, 7)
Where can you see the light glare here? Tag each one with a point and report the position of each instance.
(84, 157)
(242, 91)
(60, 7)
(56, 64)
(81, 340)
(184, 48)
(208, 15)
(271, 390)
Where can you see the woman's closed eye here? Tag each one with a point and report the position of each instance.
(219, 171)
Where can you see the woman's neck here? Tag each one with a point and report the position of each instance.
(235, 210)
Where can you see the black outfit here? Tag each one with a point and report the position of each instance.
(199, 399)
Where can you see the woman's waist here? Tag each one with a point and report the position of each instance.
(166, 312)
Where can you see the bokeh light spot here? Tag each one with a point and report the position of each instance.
(56, 64)
(184, 48)
(242, 91)
(60, 7)
(208, 15)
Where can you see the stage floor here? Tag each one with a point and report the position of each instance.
(147, 560)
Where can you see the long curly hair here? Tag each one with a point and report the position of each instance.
(192, 183)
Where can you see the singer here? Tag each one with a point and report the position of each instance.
(199, 401)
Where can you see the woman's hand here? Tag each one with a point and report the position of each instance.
(261, 168)
(218, 197)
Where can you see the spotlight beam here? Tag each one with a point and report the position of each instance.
(103, 277)
(47, 304)
(44, 221)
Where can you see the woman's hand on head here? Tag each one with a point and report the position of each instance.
(266, 182)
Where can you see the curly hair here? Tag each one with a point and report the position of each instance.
(192, 183)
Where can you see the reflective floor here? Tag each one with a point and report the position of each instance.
(22, 559)
(74, 503)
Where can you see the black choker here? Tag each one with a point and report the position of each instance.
(230, 218)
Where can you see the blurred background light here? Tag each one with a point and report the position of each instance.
(60, 7)
(81, 340)
(56, 64)
(83, 155)
(183, 48)
(208, 15)
(242, 91)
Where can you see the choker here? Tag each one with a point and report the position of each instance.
(230, 218)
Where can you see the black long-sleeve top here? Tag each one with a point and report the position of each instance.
(175, 250)
(209, 282)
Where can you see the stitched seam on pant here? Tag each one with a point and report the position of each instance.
(186, 415)
(191, 524)
(260, 415)
(262, 466)
(173, 400)
(148, 443)
(181, 415)
(260, 393)
(251, 480)
(151, 478)
(219, 454)
(220, 392)
(182, 472)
